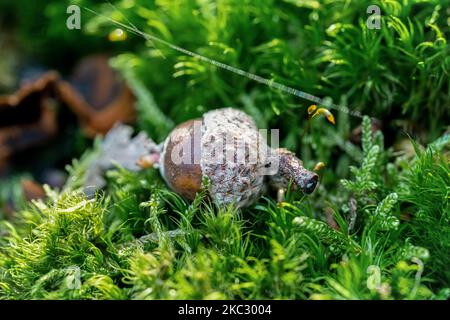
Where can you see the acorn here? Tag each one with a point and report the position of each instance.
(226, 147)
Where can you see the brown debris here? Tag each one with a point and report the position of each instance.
(119, 147)
(27, 118)
(95, 94)
(329, 214)
(149, 161)
(405, 216)
(32, 190)
(356, 134)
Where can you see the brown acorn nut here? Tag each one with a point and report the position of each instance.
(226, 147)
(186, 177)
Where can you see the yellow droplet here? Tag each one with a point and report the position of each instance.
(326, 113)
(319, 166)
(312, 108)
(330, 118)
(117, 35)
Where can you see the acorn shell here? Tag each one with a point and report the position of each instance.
(183, 178)
(230, 180)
